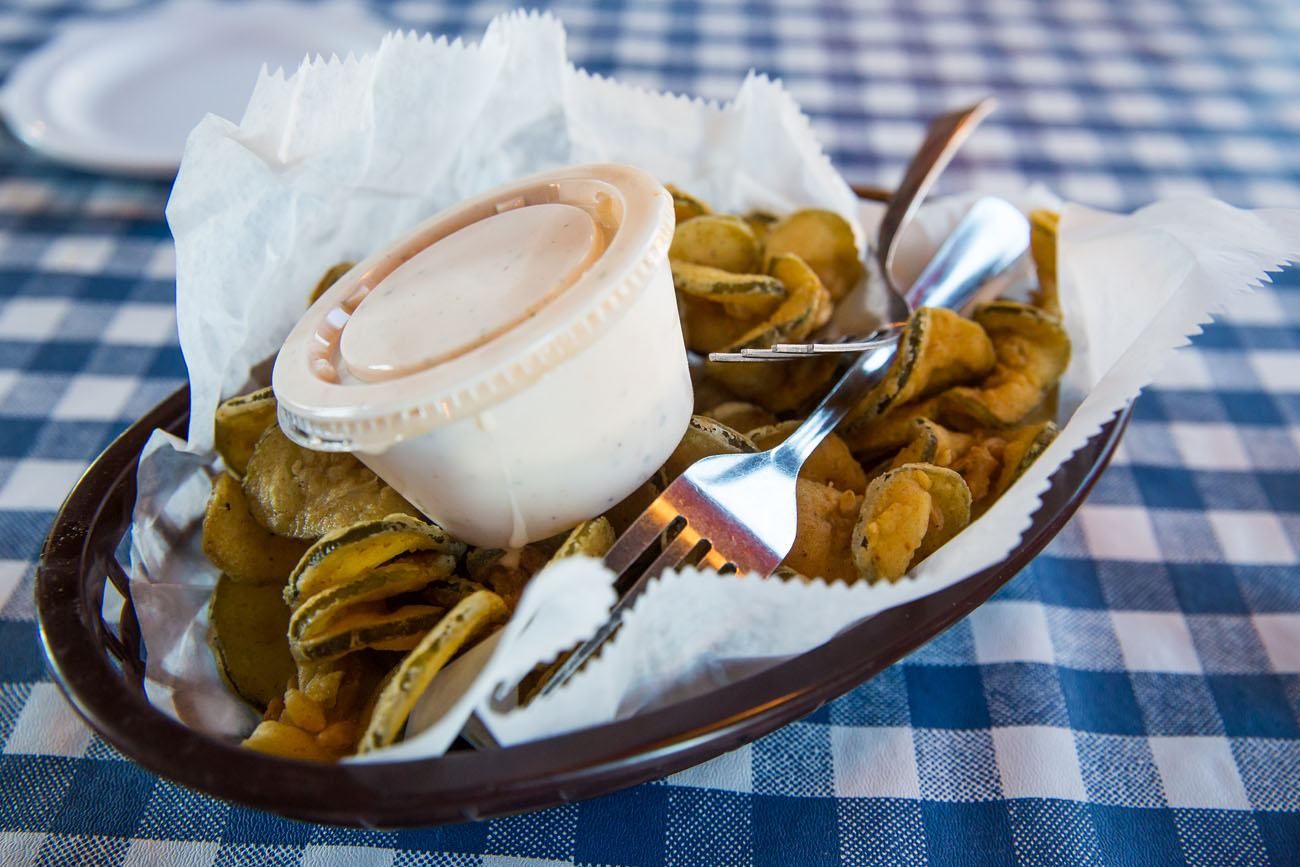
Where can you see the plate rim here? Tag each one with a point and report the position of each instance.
(24, 95)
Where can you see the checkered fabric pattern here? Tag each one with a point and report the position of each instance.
(1131, 698)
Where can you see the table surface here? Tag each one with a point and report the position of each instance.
(1130, 698)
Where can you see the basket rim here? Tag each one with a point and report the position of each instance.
(472, 785)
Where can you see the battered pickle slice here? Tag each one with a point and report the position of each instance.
(297, 492)
(247, 630)
(591, 538)
(976, 457)
(408, 575)
(1033, 351)
(937, 349)
(906, 515)
(342, 555)
(447, 592)
(703, 437)
(830, 463)
(238, 545)
(718, 241)
(740, 415)
(807, 306)
(824, 240)
(238, 424)
(760, 222)
(276, 738)
(872, 438)
(746, 294)
(1023, 447)
(1042, 246)
(932, 443)
(685, 205)
(369, 627)
(777, 388)
(471, 619)
(824, 533)
(710, 327)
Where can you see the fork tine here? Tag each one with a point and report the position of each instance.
(675, 552)
(642, 533)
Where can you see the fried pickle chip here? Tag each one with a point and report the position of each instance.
(1032, 351)
(806, 307)
(303, 711)
(703, 437)
(1043, 226)
(710, 327)
(740, 415)
(473, 618)
(760, 222)
(906, 514)
(686, 206)
(591, 538)
(368, 625)
(446, 592)
(937, 349)
(775, 387)
(872, 438)
(408, 575)
(304, 494)
(824, 533)
(328, 279)
(238, 424)
(932, 443)
(248, 623)
(830, 463)
(979, 465)
(506, 572)
(744, 294)
(718, 241)
(238, 545)
(287, 741)
(824, 240)
(1023, 447)
(340, 556)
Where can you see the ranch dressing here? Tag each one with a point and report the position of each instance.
(513, 366)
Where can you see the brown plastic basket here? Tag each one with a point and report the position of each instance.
(101, 670)
(100, 667)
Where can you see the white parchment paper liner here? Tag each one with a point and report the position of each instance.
(331, 162)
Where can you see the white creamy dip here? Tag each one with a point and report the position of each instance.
(512, 366)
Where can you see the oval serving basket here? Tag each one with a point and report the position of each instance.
(100, 668)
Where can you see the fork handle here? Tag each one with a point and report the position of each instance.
(865, 373)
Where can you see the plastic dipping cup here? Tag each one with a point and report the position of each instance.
(513, 365)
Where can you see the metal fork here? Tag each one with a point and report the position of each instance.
(943, 137)
(730, 512)
(738, 511)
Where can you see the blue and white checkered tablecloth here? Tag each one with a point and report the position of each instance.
(1133, 697)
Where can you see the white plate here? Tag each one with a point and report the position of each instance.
(121, 95)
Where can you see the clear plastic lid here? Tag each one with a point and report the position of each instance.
(472, 306)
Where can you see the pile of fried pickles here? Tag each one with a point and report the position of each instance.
(338, 602)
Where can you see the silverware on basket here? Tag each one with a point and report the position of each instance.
(943, 137)
(738, 512)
